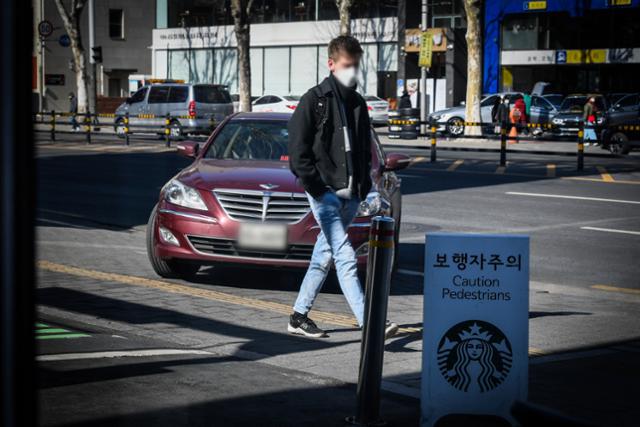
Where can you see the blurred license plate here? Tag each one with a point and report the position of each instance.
(262, 236)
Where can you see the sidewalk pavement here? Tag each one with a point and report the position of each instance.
(240, 367)
(493, 145)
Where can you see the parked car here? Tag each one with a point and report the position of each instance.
(555, 99)
(451, 120)
(276, 103)
(622, 133)
(567, 121)
(193, 108)
(378, 110)
(238, 202)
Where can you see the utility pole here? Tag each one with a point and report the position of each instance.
(93, 99)
(423, 77)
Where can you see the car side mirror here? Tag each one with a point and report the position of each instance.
(396, 161)
(188, 148)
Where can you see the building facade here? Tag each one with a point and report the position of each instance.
(576, 45)
(195, 42)
(123, 30)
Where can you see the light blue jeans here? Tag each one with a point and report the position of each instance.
(334, 215)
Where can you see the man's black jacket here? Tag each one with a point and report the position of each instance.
(316, 146)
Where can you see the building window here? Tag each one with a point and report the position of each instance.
(520, 33)
(116, 24)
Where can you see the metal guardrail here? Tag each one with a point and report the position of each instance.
(89, 123)
(504, 135)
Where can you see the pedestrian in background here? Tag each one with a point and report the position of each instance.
(73, 110)
(589, 113)
(405, 100)
(330, 153)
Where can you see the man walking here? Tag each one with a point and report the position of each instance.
(330, 153)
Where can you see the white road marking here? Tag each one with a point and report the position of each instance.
(410, 272)
(611, 230)
(561, 196)
(112, 354)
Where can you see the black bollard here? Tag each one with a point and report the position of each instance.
(167, 130)
(433, 143)
(87, 123)
(503, 143)
(126, 128)
(581, 147)
(53, 125)
(378, 282)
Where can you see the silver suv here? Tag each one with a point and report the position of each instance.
(191, 108)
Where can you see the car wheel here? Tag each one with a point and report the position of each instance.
(455, 126)
(619, 144)
(119, 128)
(175, 130)
(169, 269)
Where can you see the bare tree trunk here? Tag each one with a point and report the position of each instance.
(240, 11)
(474, 65)
(71, 21)
(345, 16)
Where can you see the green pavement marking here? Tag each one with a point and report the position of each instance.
(46, 332)
(51, 331)
(60, 336)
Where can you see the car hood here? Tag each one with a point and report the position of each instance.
(209, 174)
(568, 115)
(449, 111)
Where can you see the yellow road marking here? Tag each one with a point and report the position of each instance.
(617, 289)
(455, 165)
(551, 170)
(606, 176)
(418, 159)
(617, 181)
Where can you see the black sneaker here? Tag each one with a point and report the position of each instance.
(390, 330)
(300, 324)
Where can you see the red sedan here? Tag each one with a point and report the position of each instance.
(238, 202)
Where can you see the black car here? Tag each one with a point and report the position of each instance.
(622, 133)
(567, 121)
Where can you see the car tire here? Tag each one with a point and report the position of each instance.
(118, 128)
(618, 144)
(169, 269)
(455, 126)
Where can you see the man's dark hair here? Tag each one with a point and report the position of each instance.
(344, 45)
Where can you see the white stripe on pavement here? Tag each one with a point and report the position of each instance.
(112, 354)
(410, 272)
(612, 230)
(561, 196)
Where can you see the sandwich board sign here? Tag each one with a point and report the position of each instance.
(476, 325)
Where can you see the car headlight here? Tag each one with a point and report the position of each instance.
(436, 117)
(558, 121)
(600, 120)
(182, 195)
(372, 205)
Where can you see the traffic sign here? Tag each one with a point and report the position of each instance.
(476, 324)
(45, 28)
(64, 40)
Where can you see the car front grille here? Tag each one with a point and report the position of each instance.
(217, 246)
(254, 205)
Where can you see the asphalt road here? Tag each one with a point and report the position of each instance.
(93, 206)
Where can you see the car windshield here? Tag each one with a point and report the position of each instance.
(291, 98)
(211, 95)
(576, 104)
(250, 140)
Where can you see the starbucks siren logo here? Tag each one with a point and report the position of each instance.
(474, 356)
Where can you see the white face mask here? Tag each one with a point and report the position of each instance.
(347, 76)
